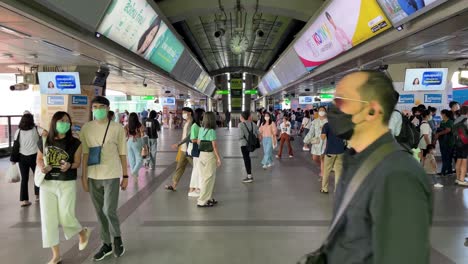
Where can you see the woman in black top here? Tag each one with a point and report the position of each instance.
(152, 129)
(62, 155)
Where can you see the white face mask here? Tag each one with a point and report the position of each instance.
(184, 116)
(322, 113)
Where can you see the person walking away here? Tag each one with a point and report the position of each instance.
(209, 160)
(28, 136)
(396, 190)
(285, 136)
(426, 133)
(104, 163)
(269, 141)
(318, 145)
(153, 127)
(430, 165)
(58, 189)
(187, 115)
(227, 119)
(195, 180)
(135, 132)
(460, 133)
(245, 128)
(333, 158)
(446, 141)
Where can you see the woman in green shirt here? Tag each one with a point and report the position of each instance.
(444, 135)
(208, 161)
(195, 181)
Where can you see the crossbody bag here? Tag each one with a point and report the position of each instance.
(95, 153)
(206, 145)
(320, 256)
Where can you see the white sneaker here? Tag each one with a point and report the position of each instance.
(269, 165)
(265, 167)
(305, 149)
(193, 194)
(291, 156)
(462, 183)
(438, 185)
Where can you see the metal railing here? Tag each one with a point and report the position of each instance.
(8, 126)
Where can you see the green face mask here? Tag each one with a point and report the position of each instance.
(62, 127)
(100, 114)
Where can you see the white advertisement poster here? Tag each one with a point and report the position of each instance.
(430, 79)
(59, 82)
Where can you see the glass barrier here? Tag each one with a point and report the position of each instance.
(8, 126)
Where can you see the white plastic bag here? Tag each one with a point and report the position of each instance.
(13, 174)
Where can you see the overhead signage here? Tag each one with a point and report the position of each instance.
(168, 101)
(400, 12)
(432, 98)
(59, 82)
(326, 96)
(136, 26)
(342, 25)
(222, 92)
(406, 99)
(430, 79)
(328, 90)
(56, 100)
(236, 83)
(251, 92)
(79, 100)
(306, 100)
(147, 98)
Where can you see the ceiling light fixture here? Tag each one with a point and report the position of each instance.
(14, 32)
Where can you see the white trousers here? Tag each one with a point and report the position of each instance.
(57, 201)
(207, 173)
(196, 180)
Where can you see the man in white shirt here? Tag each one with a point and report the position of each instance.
(102, 180)
(187, 115)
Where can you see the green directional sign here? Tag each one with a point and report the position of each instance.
(250, 92)
(222, 92)
(147, 98)
(326, 96)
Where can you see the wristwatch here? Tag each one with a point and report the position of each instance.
(125, 176)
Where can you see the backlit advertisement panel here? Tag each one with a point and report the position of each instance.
(342, 25)
(401, 11)
(271, 82)
(59, 83)
(135, 25)
(303, 100)
(430, 79)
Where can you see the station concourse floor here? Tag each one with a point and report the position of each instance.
(275, 220)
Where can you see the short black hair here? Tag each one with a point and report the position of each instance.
(26, 122)
(188, 109)
(245, 114)
(379, 87)
(451, 104)
(100, 100)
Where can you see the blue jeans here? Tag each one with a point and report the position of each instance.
(153, 147)
(267, 151)
(135, 160)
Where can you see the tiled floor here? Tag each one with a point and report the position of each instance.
(274, 220)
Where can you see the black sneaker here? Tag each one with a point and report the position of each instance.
(247, 180)
(106, 250)
(119, 249)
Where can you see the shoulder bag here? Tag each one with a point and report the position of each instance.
(320, 256)
(38, 174)
(15, 150)
(94, 157)
(206, 145)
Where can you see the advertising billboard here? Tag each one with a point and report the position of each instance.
(271, 82)
(342, 25)
(304, 100)
(168, 101)
(59, 83)
(135, 25)
(402, 11)
(430, 79)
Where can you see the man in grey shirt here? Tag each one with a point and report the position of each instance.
(245, 127)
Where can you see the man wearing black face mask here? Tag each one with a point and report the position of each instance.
(388, 218)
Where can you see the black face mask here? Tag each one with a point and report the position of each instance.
(340, 123)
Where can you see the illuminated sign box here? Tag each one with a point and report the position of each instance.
(222, 92)
(59, 83)
(250, 92)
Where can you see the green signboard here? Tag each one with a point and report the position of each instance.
(147, 98)
(250, 92)
(222, 92)
(326, 96)
(236, 84)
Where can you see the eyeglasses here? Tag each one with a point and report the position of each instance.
(339, 101)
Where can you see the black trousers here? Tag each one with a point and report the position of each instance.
(247, 161)
(25, 164)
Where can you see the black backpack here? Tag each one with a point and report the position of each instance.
(253, 142)
(410, 135)
(460, 133)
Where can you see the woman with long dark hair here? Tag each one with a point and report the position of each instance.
(195, 181)
(28, 135)
(148, 36)
(268, 135)
(58, 189)
(135, 133)
(153, 127)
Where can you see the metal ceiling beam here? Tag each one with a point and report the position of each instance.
(237, 69)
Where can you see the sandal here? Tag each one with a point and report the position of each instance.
(170, 188)
(322, 191)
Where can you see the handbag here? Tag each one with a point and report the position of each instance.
(15, 150)
(13, 174)
(94, 157)
(320, 256)
(193, 150)
(38, 174)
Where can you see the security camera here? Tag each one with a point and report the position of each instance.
(19, 87)
(145, 85)
(260, 33)
(219, 33)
